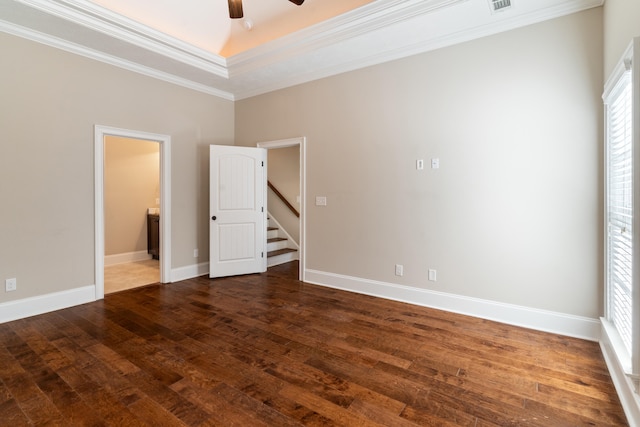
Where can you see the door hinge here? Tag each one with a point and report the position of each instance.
(263, 163)
(262, 209)
(262, 254)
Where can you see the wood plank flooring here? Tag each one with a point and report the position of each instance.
(267, 350)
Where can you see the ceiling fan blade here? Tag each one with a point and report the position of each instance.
(235, 9)
(298, 2)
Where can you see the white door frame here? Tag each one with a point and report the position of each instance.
(292, 142)
(165, 199)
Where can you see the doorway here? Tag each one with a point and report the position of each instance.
(102, 133)
(131, 213)
(300, 142)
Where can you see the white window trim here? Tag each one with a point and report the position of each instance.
(623, 367)
(611, 91)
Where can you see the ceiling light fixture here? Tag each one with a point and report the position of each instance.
(235, 8)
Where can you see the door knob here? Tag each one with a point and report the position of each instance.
(214, 217)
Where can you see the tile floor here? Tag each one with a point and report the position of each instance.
(120, 277)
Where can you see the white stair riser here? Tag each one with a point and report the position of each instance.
(274, 246)
(281, 259)
(272, 234)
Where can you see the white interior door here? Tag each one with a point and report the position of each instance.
(238, 215)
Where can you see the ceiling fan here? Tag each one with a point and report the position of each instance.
(235, 8)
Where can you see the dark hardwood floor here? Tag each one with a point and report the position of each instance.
(267, 350)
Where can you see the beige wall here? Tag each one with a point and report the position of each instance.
(621, 24)
(51, 101)
(131, 186)
(284, 174)
(512, 215)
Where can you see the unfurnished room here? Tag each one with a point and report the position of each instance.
(319, 213)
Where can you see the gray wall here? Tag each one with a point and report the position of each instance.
(513, 214)
(51, 101)
(621, 24)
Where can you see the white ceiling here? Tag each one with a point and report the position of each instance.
(206, 24)
(194, 43)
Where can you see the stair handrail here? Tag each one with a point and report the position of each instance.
(284, 200)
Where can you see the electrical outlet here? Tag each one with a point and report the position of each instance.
(195, 253)
(432, 275)
(321, 201)
(10, 285)
(399, 270)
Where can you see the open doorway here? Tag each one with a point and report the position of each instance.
(295, 196)
(162, 144)
(131, 213)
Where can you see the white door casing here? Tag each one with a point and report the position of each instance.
(237, 210)
(165, 200)
(302, 143)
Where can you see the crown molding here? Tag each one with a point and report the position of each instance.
(381, 31)
(74, 48)
(98, 18)
(352, 24)
(394, 52)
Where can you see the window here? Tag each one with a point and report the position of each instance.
(622, 295)
(619, 150)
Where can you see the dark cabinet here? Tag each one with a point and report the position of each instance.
(153, 235)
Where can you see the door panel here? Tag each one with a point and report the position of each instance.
(237, 232)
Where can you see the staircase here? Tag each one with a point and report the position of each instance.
(280, 248)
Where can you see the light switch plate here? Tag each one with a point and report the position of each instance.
(399, 269)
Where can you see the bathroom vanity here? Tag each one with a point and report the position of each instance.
(153, 235)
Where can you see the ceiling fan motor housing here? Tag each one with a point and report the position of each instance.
(235, 8)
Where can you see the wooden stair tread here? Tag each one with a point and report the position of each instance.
(280, 252)
(276, 239)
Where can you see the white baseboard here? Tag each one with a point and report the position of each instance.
(189, 272)
(126, 257)
(548, 321)
(624, 387)
(541, 320)
(27, 307)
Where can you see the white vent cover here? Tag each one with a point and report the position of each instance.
(499, 5)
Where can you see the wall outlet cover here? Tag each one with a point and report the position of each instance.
(10, 285)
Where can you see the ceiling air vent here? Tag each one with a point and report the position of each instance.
(499, 5)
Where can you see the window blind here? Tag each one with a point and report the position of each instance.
(620, 207)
